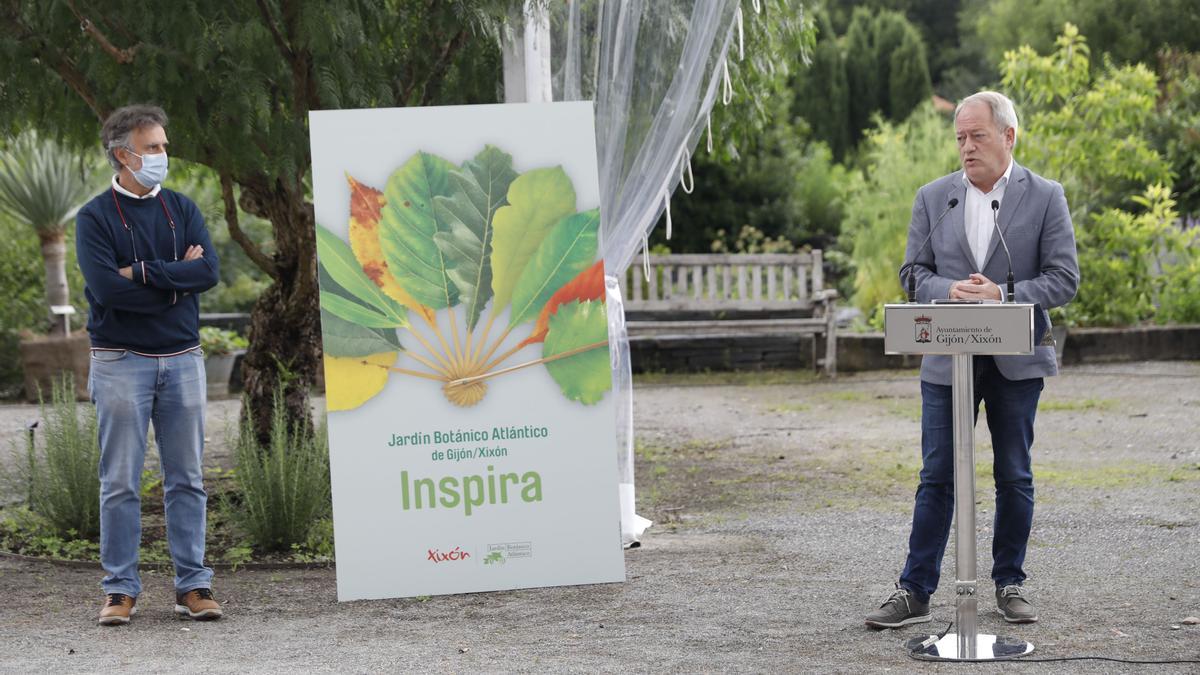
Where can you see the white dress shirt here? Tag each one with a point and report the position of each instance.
(152, 193)
(978, 214)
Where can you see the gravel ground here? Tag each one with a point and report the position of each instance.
(782, 506)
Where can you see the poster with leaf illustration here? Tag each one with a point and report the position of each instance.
(465, 335)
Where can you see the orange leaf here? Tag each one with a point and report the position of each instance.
(589, 285)
(365, 205)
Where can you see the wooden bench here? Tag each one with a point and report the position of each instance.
(741, 285)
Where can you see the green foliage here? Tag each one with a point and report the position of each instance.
(908, 76)
(1130, 263)
(24, 306)
(241, 281)
(27, 533)
(1088, 133)
(886, 68)
(1177, 126)
(899, 159)
(862, 71)
(1179, 288)
(285, 485)
(821, 94)
(750, 239)
(779, 42)
(784, 187)
(56, 475)
(218, 341)
(1128, 31)
(318, 546)
(238, 80)
(42, 183)
(1096, 136)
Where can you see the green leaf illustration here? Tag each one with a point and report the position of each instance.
(587, 376)
(569, 249)
(344, 338)
(408, 225)
(480, 189)
(537, 200)
(337, 262)
(353, 312)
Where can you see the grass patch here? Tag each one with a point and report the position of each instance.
(846, 396)
(1110, 476)
(1076, 405)
(909, 409)
(790, 408)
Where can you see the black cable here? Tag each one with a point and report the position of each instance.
(912, 653)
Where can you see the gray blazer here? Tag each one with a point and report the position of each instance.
(1037, 226)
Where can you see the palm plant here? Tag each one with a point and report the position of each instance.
(42, 185)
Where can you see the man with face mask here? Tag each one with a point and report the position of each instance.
(146, 256)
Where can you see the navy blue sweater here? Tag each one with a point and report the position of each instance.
(158, 311)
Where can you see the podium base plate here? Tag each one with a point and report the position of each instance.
(987, 648)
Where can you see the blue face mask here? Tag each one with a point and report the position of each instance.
(153, 171)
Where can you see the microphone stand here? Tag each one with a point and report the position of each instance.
(996, 225)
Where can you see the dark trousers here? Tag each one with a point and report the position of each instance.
(1011, 407)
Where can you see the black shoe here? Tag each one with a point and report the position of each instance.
(900, 609)
(1014, 606)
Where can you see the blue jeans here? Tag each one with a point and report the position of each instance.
(130, 392)
(1011, 408)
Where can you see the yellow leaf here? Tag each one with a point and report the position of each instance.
(365, 206)
(351, 381)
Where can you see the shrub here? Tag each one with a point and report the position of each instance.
(58, 476)
(899, 159)
(1136, 267)
(285, 486)
(27, 533)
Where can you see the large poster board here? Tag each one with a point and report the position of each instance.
(471, 427)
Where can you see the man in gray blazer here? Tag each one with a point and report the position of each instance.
(964, 260)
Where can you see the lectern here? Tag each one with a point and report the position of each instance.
(962, 330)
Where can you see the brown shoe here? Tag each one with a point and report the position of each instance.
(117, 609)
(198, 604)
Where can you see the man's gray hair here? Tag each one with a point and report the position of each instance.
(123, 122)
(1003, 112)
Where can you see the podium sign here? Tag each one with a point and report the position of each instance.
(962, 330)
(958, 329)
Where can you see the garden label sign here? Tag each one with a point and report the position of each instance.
(467, 375)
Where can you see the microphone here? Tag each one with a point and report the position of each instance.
(912, 280)
(996, 225)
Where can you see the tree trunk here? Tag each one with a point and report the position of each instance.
(285, 327)
(54, 257)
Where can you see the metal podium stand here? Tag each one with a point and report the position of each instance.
(962, 330)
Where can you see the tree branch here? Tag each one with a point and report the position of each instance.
(123, 56)
(55, 60)
(269, 21)
(235, 230)
(441, 65)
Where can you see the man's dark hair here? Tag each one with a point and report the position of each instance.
(123, 122)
